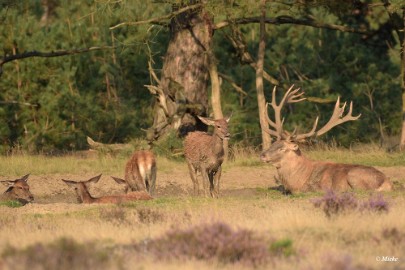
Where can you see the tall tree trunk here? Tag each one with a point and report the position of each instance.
(216, 94)
(215, 87)
(184, 78)
(402, 141)
(261, 100)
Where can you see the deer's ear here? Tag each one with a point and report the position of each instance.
(228, 118)
(70, 183)
(8, 183)
(119, 180)
(94, 179)
(25, 177)
(206, 121)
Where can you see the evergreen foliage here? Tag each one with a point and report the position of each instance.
(52, 104)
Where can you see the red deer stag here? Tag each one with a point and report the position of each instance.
(18, 190)
(84, 196)
(205, 153)
(299, 174)
(140, 172)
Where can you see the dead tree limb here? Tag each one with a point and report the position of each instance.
(13, 57)
(158, 19)
(308, 21)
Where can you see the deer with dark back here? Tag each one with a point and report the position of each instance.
(18, 190)
(84, 196)
(205, 154)
(300, 174)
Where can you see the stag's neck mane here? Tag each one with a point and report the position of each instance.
(295, 166)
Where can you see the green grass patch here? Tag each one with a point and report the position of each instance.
(366, 155)
(12, 204)
(283, 247)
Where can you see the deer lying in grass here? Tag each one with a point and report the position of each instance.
(18, 190)
(140, 172)
(84, 196)
(205, 153)
(299, 174)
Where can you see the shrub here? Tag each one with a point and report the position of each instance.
(375, 203)
(116, 215)
(150, 216)
(217, 241)
(341, 262)
(395, 236)
(334, 203)
(61, 254)
(283, 247)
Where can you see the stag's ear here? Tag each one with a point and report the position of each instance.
(292, 146)
(206, 121)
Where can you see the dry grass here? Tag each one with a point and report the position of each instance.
(51, 230)
(314, 237)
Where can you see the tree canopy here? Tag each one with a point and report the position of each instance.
(329, 48)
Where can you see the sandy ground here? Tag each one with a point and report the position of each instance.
(51, 194)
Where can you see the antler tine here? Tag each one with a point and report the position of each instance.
(349, 114)
(337, 117)
(274, 133)
(271, 123)
(276, 127)
(309, 134)
(286, 96)
(292, 97)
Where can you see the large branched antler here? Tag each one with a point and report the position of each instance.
(337, 118)
(291, 96)
(294, 96)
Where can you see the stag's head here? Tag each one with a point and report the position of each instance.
(285, 145)
(220, 126)
(19, 190)
(280, 150)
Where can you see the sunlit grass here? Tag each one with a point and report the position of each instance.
(296, 226)
(20, 164)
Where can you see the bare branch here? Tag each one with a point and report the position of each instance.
(154, 90)
(9, 58)
(234, 85)
(245, 57)
(158, 19)
(290, 20)
(19, 103)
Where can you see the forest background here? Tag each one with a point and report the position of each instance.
(351, 49)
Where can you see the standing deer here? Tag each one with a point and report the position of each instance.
(84, 196)
(140, 172)
(205, 153)
(299, 174)
(17, 190)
